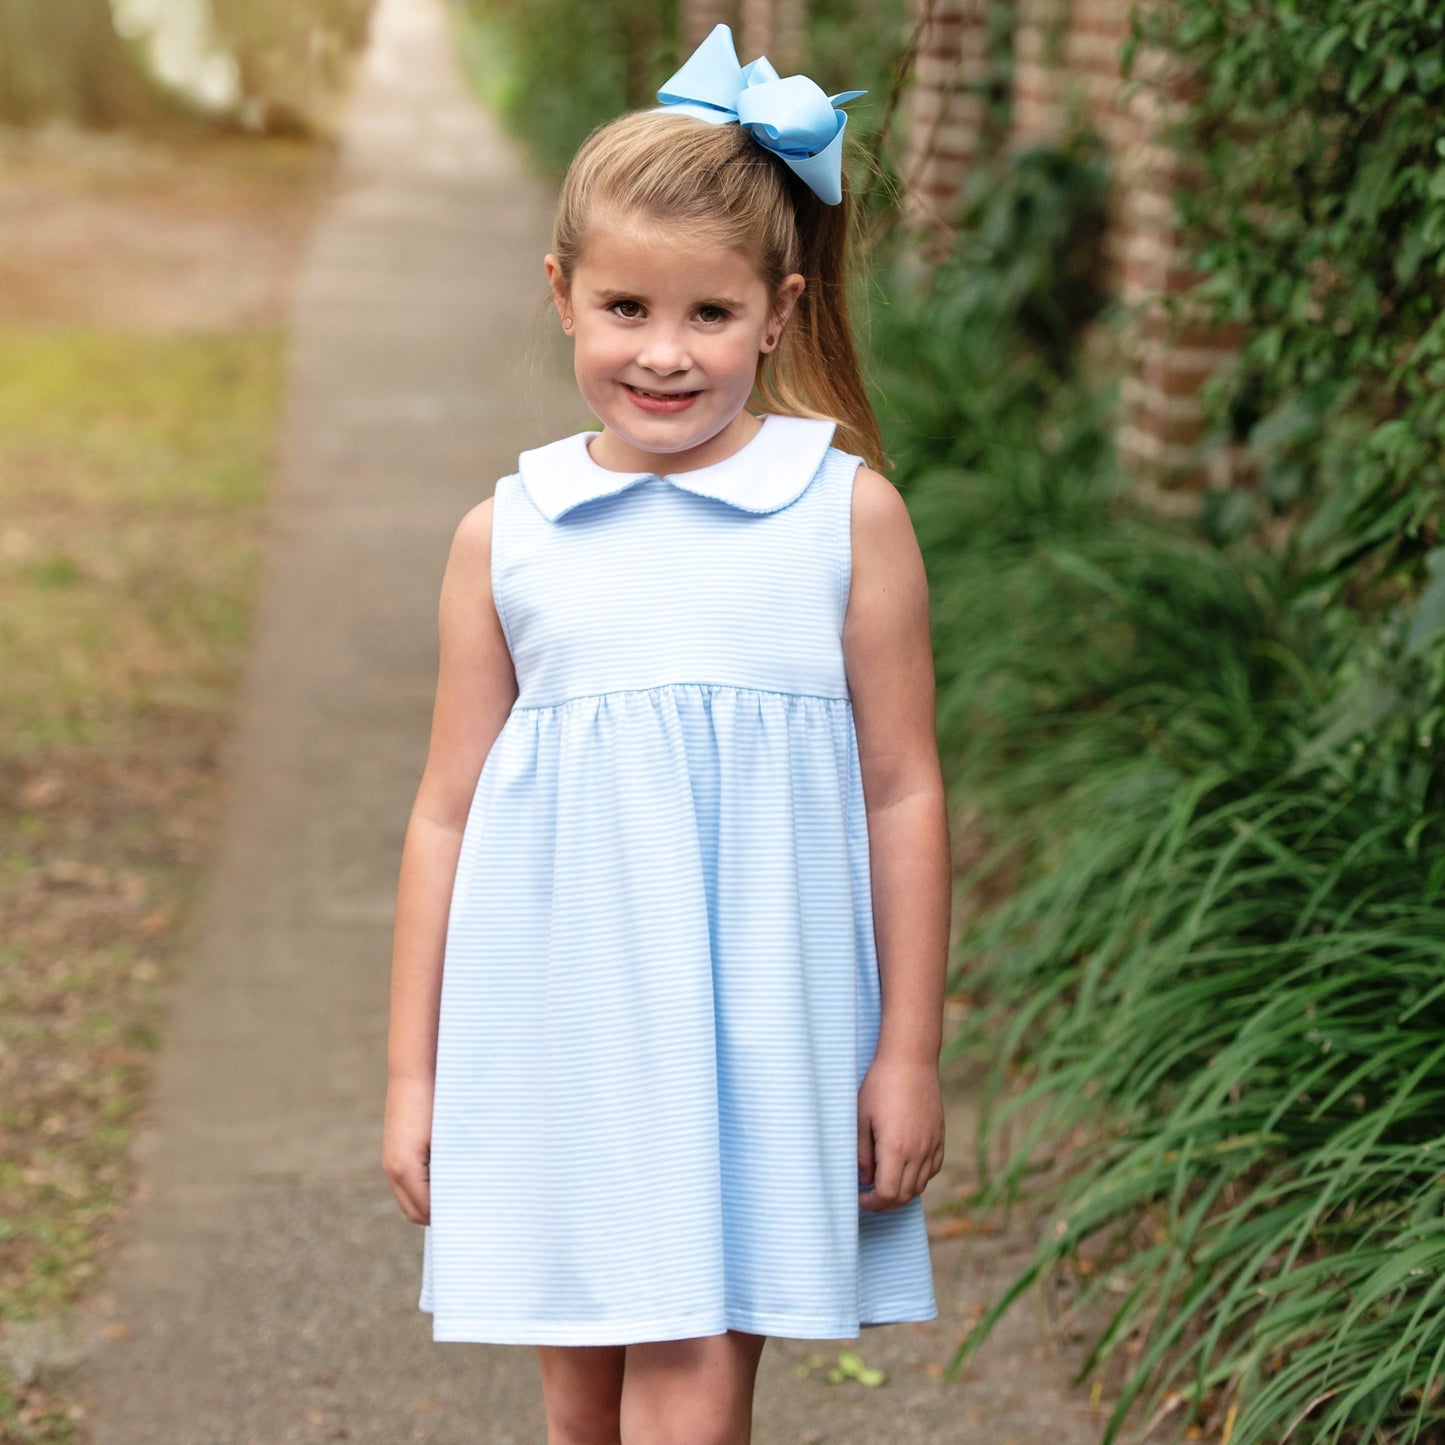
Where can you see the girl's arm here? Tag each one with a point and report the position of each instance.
(476, 687)
(889, 660)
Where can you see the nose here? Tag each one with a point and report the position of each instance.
(663, 350)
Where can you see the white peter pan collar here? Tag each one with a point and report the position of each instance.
(766, 473)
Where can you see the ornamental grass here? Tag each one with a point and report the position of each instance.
(1204, 947)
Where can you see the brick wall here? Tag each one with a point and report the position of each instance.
(946, 114)
(775, 28)
(1067, 64)
(696, 19)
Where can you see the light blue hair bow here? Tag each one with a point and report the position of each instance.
(789, 116)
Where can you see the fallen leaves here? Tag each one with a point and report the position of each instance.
(849, 1366)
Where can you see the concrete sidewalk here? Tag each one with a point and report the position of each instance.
(267, 1294)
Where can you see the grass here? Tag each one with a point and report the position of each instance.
(125, 465)
(132, 472)
(1228, 996)
(1210, 984)
(1212, 996)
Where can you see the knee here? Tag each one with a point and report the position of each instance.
(683, 1426)
(691, 1392)
(582, 1420)
(697, 1415)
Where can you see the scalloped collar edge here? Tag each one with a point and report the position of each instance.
(770, 470)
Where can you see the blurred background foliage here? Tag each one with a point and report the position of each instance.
(617, 54)
(267, 65)
(293, 60)
(68, 61)
(552, 92)
(1201, 757)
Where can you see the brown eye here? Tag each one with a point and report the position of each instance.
(712, 313)
(629, 310)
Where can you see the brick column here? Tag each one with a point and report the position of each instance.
(696, 19)
(1041, 71)
(1170, 351)
(1068, 72)
(777, 29)
(946, 110)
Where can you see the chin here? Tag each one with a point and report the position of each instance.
(666, 438)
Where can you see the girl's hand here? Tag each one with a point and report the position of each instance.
(406, 1146)
(900, 1132)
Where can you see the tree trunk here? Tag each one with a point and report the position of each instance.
(63, 58)
(777, 29)
(697, 18)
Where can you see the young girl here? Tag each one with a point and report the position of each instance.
(673, 908)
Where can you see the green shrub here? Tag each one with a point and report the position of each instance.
(619, 52)
(556, 69)
(1206, 760)
(1320, 223)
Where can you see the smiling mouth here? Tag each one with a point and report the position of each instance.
(661, 395)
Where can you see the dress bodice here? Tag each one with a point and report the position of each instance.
(731, 575)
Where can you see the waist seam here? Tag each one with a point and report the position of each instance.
(710, 687)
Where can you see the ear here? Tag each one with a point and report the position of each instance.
(783, 303)
(561, 293)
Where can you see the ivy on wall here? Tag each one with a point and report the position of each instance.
(1203, 948)
(1322, 226)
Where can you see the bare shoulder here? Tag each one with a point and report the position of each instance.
(466, 591)
(883, 540)
(469, 565)
(878, 504)
(474, 531)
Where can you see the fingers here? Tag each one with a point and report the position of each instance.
(910, 1186)
(900, 1131)
(406, 1145)
(414, 1195)
(899, 1176)
(411, 1184)
(865, 1152)
(888, 1175)
(415, 1198)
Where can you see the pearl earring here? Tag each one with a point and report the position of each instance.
(566, 323)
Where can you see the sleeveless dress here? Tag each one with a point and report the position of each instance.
(660, 990)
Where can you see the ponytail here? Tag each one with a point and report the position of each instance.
(815, 369)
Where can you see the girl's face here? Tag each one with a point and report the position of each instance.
(667, 332)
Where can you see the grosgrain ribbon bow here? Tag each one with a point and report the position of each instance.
(789, 116)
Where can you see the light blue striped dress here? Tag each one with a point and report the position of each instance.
(661, 990)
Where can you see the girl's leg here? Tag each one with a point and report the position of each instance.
(691, 1392)
(582, 1390)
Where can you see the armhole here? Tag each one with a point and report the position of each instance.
(501, 490)
(848, 466)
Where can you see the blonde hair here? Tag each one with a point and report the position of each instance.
(716, 181)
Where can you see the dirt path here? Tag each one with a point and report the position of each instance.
(185, 231)
(267, 1293)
